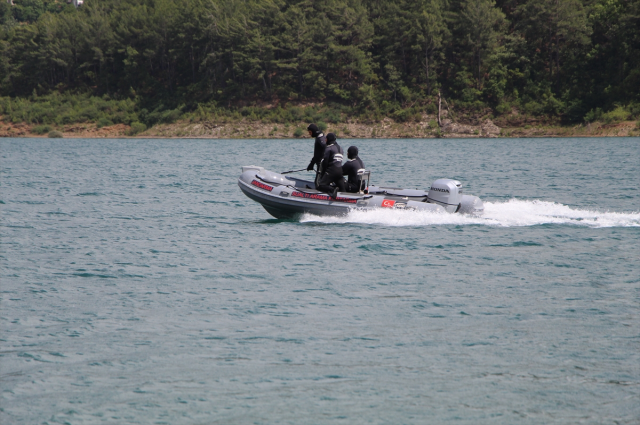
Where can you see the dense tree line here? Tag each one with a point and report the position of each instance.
(568, 58)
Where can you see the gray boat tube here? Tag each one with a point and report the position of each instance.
(287, 197)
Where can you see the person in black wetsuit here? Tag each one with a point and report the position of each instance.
(351, 168)
(318, 150)
(332, 164)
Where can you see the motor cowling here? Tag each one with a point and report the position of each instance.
(446, 192)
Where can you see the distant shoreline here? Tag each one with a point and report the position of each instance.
(385, 129)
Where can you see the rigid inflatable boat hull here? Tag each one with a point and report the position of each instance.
(288, 197)
(285, 208)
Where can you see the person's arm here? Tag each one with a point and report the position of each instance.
(346, 168)
(327, 156)
(318, 150)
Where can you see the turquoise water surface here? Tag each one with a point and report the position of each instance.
(139, 285)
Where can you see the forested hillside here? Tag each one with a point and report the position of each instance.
(156, 60)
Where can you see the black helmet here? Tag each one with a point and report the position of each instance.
(314, 129)
(331, 138)
(352, 152)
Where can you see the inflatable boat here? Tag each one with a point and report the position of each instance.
(287, 197)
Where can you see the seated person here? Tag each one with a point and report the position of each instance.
(332, 166)
(351, 168)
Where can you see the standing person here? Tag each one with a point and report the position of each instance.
(318, 150)
(332, 164)
(351, 168)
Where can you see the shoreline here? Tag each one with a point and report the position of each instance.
(384, 129)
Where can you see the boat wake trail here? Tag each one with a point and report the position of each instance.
(504, 214)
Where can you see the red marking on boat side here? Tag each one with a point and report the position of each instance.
(388, 203)
(262, 185)
(318, 197)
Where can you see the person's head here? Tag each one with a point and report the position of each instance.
(352, 152)
(331, 138)
(313, 130)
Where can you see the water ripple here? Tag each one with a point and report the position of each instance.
(139, 285)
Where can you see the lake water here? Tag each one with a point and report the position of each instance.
(139, 285)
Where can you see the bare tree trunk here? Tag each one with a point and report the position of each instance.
(439, 108)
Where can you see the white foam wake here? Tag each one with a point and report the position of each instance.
(506, 214)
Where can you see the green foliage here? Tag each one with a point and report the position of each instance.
(618, 114)
(298, 132)
(547, 105)
(480, 25)
(67, 108)
(157, 61)
(28, 10)
(503, 108)
(55, 134)
(327, 113)
(104, 122)
(136, 127)
(593, 115)
(322, 126)
(407, 114)
(41, 129)
(160, 115)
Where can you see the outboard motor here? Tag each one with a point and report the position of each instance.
(446, 192)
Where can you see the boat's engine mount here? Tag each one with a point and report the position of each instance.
(446, 192)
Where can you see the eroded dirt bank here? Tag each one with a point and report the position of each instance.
(387, 128)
